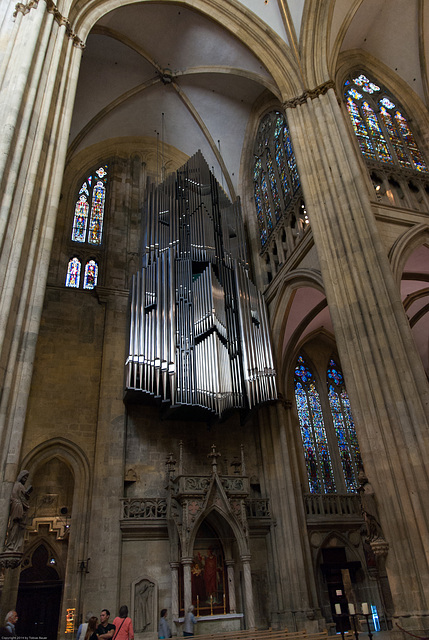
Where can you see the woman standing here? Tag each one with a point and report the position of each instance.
(123, 625)
(190, 621)
(164, 630)
(91, 629)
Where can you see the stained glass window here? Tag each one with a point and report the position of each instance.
(88, 221)
(345, 432)
(382, 130)
(331, 448)
(73, 273)
(316, 449)
(90, 205)
(90, 275)
(275, 173)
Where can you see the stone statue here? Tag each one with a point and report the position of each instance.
(144, 609)
(369, 509)
(18, 514)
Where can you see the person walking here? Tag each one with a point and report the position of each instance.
(190, 621)
(123, 625)
(164, 630)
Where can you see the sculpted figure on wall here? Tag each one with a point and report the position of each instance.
(369, 509)
(144, 610)
(18, 513)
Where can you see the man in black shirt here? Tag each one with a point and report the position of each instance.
(105, 630)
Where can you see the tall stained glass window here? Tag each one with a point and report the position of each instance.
(89, 208)
(275, 174)
(314, 439)
(348, 446)
(87, 228)
(380, 126)
(331, 448)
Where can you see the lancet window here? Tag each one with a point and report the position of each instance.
(90, 274)
(399, 170)
(89, 208)
(280, 211)
(275, 173)
(331, 449)
(87, 229)
(382, 129)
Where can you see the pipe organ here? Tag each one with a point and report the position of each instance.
(199, 336)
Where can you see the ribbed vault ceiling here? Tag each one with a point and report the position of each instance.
(134, 51)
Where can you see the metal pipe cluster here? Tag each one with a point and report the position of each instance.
(199, 334)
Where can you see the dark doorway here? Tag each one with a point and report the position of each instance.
(334, 563)
(39, 598)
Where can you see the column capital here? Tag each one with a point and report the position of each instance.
(309, 94)
(174, 565)
(245, 558)
(187, 560)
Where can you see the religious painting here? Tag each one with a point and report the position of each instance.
(208, 573)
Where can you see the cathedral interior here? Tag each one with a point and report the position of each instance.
(214, 313)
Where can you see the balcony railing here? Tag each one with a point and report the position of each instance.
(322, 505)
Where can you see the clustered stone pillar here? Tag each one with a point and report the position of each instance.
(231, 586)
(384, 374)
(174, 590)
(37, 110)
(187, 583)
(248, 593)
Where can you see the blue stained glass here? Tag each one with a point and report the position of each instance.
(345, 431)
(334, 373)
(343, 444)
(97, 214)
(273, 185)
(90, 199)
(354, 94)
(395, 138)
(90, 275)
(302, 371)
(410, 142)
(275, 171)
(369, 87)
(73, 273)
(385, 102)
(360, 129)
(266, 200)
(376, 133)
(366, 118)
(80, 219)
(315, 443)
(260, 214)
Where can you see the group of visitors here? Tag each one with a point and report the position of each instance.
(164, 630)
(102, 629)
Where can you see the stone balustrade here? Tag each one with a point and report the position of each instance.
(323, 505)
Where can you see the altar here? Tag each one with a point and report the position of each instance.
(213, 624)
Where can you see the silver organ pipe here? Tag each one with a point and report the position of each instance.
(199, 335)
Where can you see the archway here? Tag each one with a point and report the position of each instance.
(39, 595)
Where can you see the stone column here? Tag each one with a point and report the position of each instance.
(383, 370)
(231, 586)
(174, 590)
(248, 593)
(293, 580)
(187, 583)
(38, 108)
(102, 582)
